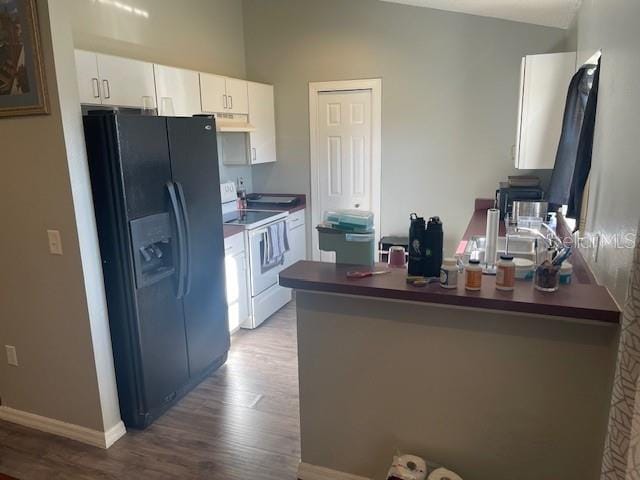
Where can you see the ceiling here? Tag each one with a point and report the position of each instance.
(551, 13)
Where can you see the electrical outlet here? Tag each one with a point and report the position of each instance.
(55, 242)
(12, 355)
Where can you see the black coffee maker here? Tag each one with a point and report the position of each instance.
(425, 246)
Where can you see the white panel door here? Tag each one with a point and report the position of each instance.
(213, 93)
(262, 116)
(88, 77)
(126, 82)
(344, 152)
(178, 91)
(544, 85)
(237, 96)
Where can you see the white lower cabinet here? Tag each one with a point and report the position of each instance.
(297, 236)
(237, 276)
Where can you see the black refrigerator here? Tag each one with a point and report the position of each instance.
(156, 194)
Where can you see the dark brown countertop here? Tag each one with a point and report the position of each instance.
(582, 299)
(231, 230)
(577, 301)
(478, 225)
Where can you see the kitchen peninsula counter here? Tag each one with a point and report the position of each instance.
(492, 384)
(582, 299)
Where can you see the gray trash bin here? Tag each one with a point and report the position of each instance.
(350, 248)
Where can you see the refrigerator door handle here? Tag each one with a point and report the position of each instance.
(182, 261)
(187, 229)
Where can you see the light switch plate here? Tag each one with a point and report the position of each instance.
(12, 355)
(55, 242)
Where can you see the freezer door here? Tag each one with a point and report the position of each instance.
(194, 164)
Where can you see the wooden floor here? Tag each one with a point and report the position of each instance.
(241, 423)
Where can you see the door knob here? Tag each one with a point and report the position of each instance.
(357, 205)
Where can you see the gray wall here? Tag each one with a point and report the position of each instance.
(491, 395)
(51, 308)
(449, 106)
(203, 35)
(614, 197)
(198, 34)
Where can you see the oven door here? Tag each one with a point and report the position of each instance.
(261, 278)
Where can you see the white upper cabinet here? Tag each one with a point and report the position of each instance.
(108, 80)
(237, 99)
(213, 93)
(126, 82)
(88, 77)
(262, 117)
(177, 91)
(543, 90)
(223, 95)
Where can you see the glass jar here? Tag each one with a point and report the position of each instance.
(547, 277)
(397, 257)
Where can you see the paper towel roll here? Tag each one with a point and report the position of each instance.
(408, 467)
(491, 245)
(444, 474)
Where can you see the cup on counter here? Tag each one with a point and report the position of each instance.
(547, 277)
(397, 257)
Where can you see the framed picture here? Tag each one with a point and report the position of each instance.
(23, 89)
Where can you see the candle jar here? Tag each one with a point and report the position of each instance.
(397, 257)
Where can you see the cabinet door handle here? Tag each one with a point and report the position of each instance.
(96, 87)
(106, 89)
(231, 101)
(253, 154)
(224, 101)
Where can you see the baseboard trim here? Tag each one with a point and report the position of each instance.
(95, 438)
(307, 471)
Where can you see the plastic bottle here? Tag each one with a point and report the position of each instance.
(433, 245)
(506, 273)
(416, 246)
(473, 276)
(449, 273)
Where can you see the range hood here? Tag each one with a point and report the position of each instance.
(226, 122)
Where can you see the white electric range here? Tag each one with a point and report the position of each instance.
(267, 296)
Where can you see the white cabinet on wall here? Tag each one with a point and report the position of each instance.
(177, 91)
(262, 117)
(223, 95)
(237, 97)
(88, 77)
(237, 277)
(213, 94)
(115, 81)
(543, 90)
